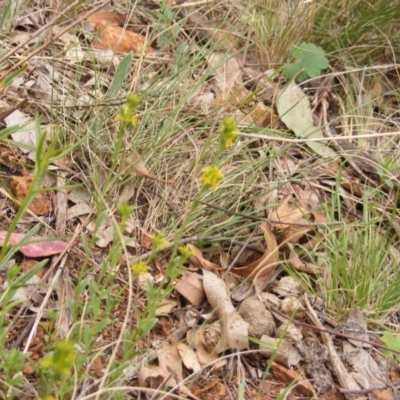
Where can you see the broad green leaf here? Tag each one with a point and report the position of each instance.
(392, 341)
(120, 75)
(295, 112)
(309, 58)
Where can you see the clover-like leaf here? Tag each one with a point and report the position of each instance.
(309, 61)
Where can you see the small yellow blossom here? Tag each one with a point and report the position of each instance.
(210, 176)
(139, 268)
(229, 132)
(127, 115)
(127, 112)
(159, 242)
(185, 251)
(61, 359)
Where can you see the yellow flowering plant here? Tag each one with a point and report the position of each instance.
(210, 177)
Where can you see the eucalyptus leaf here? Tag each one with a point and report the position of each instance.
(295, 112)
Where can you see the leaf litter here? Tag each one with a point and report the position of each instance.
(220, 326)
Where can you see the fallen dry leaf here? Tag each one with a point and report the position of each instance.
(107, 16)
(205, 355)
(191, 288)
(188, 357)
(267, 262)
(169, 362)
(285, 375)
(166, 306)
(19, 186)
(43, 247)
(153, 377)
(288, 213)
(300, 265)
(112, 36)
(199, 261)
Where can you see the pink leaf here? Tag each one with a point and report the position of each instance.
(37, 246)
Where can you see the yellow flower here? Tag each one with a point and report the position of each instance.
(185, 251)
(139, 268)
(229, 132)
(210, 176)
(61, 359)
(158, 241)
(127, 112)
(127, 115)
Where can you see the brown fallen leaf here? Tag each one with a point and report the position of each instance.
(205, 355)
(199, 261)
(307, 235)
(300, 265)
(112, 36)
(285, 375)
(107, 16)
(43, 247)
(19, 186)
(191, 288)
(265, 265)
(288, 213)
(188, 357)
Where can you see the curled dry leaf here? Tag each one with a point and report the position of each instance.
(289, 213)
(191, 288)
(153, 377)
(37, 246)
(111, 36)
(169, 362)
(188, 357)
(266, 264)
(19, 186)
(299, 265)
(205, 355)
(234, 328)
(199, 261)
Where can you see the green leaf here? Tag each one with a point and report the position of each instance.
(309, 58)
(120, 75)
(392, 341)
